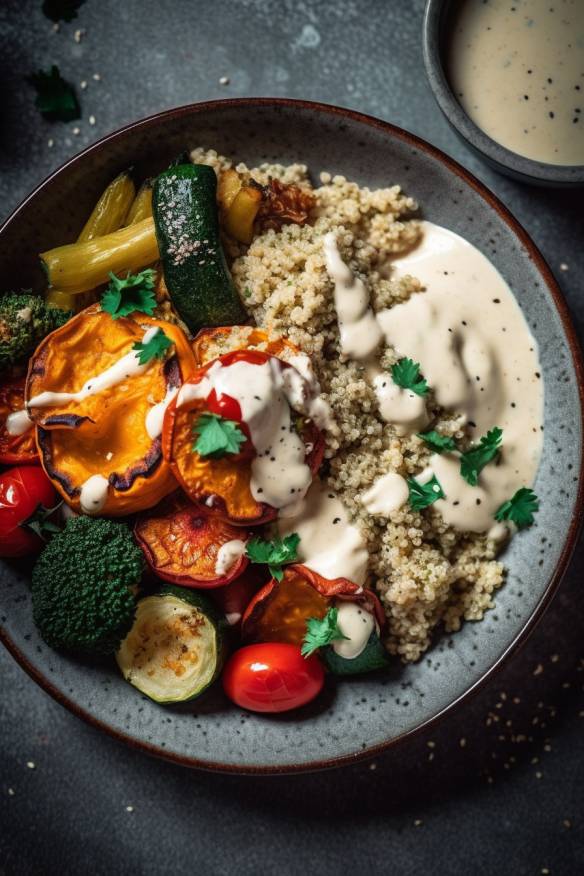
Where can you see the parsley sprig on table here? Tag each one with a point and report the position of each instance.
(406, 374)
(473, 461)
(56, 98)
(126, 295)
(519, 509)
(155, 348)
(217, 436)
(321, 632)
(274, 553)
(423, 495)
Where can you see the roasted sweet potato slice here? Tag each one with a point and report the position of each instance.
(182, 544)
(279, 611)
(210, 343)
(110, 438)
(223, 484)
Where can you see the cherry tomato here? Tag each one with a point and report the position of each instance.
(15, 449)
(272, 677)
(24, 490)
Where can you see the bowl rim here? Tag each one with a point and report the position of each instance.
(520, 166)
(521, 636)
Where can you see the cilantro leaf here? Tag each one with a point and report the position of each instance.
(320, 632)
(474, 460)
(126, 295)
(519, 509)
(437, 442)
(61, 10)
(275, 552)
(406, 373)
(423, 495)
(56, 98)
(217, 436)
(155, 348)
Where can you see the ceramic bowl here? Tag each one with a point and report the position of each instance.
(437, 21)
(358, 717)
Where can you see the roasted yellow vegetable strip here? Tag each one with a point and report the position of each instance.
(62, 300)
(242, 212)
(111, 210)
(78, 267)
(142, 205)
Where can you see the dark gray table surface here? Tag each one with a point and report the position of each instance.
(497, 788)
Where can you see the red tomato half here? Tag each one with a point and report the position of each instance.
(272, 677)
(23, 490)
(15, 449)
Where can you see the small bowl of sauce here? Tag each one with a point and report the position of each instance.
(509, 77)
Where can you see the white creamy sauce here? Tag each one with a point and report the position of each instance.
(279, 473)
(228, 555)
(478, 356)
(155, 416)
(358, 328)
(357, 624)
(329, 543)
(517, 69)
(126, 367)
(18, 422)
(25, 314)
(93, 494)
(388, 493)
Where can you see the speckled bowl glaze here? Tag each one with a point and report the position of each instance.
(358, 717)
(436, 29)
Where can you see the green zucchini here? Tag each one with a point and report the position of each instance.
(187, 228)
(374, 656)
(175, 648)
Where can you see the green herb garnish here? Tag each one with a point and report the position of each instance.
(423, 495)
(437, 442)
(321, 632)
(519, 509)
(474, 460)
(406, 373)
(155, 348)
(217, 436)
(126, 295)
(274, 553)
(40, 521)
(56, 98)
(62, 10)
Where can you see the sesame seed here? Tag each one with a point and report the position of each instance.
(224, 80)
(31, 764)
(83, 84)
(91, 120)
(97, 77)
(129, 808)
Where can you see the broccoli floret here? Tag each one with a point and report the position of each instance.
(25, 320)
(83, 586)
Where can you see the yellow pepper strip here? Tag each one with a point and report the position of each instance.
(111, 210)
(242, 213)
(228, 185)
(142, 205)
(62, 300)
(77, 267)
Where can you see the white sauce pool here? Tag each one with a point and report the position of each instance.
(517, 69)
(357, 624)
(388, 493)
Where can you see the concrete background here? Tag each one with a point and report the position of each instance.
(498, 787)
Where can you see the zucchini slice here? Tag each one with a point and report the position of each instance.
(187, 227)
(373, 657)
(175, 648)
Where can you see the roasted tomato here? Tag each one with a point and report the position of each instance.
(15, 449)
(186, 545)
(211, 343)
(279, 611)
(272, 677)
(110, 437)
(223, 484)
(25, 494)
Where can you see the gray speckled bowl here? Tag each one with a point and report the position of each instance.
(436, 29)
(353, 718)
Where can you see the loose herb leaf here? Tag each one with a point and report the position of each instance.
(474, 460)
(275, 552)
(519, 509)
(56, 98)
(321, 632)
(40, 521)
(217, 436)
(437, 442)
(155, 348)
(62, 10)
(126, 295)
(423, 495)
(406, 373)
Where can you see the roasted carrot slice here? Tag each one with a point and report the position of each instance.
(185, 544)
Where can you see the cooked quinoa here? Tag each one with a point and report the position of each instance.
(426, 573)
